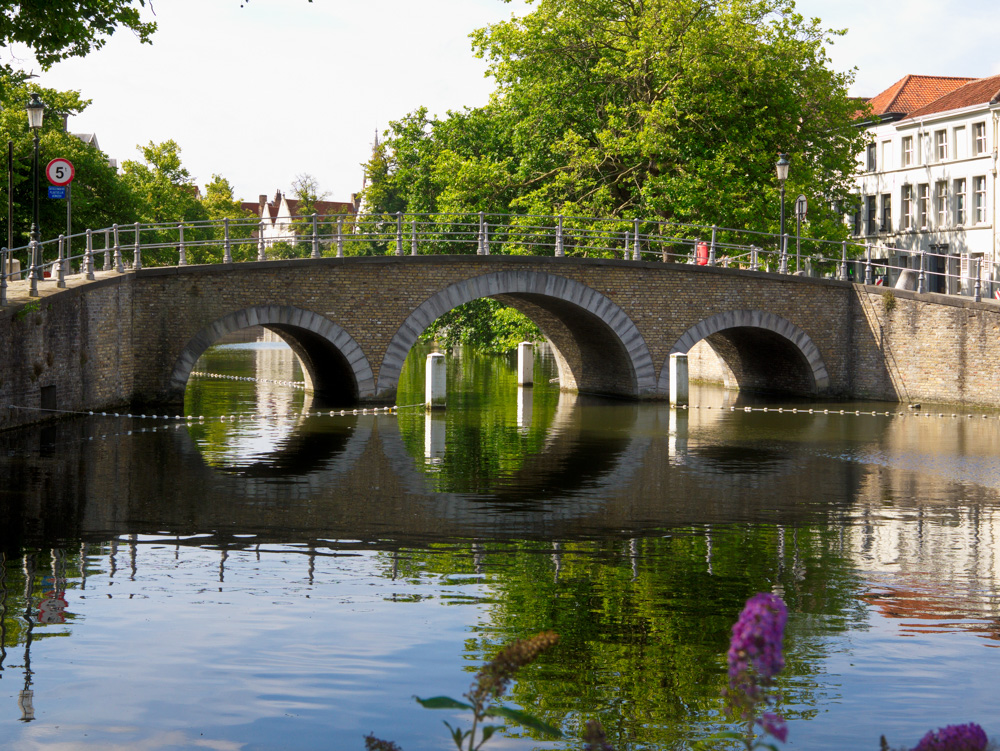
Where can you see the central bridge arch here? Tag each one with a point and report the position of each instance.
(759, 351)
(598, 348)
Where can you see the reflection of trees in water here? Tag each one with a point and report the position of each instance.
(645, 623)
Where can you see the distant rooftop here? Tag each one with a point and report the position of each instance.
(912, 93)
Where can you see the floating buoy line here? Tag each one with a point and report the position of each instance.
(846, 412)
(292, 384)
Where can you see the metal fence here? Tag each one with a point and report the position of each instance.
(124, 247)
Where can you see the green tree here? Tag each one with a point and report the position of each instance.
(667, 109)
(166, 193)
(219, 204)
(54, 34)
(99, 197)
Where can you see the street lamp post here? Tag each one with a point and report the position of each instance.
(36, 111)
(782, 170)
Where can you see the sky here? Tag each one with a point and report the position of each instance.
(278, 88)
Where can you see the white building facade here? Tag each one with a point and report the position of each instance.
(928, 182)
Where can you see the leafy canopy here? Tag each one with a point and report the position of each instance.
(56, 31)
(669, 109)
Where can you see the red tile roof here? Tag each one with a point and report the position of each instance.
(978, 91)
(912, 92)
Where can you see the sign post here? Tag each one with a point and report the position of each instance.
(60, 173)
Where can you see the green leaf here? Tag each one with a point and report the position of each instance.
(489, 730)
(442, 702)
(523, 718)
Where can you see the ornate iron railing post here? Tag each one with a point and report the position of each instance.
(88, 259)
(560, 250)
(413, 237)
(754, 265)
(783, 258)
(119, 262)
(843, 261)
(227, 252)
(315, 237)
(34, 270)
(711, 248)
(137, 253)
(921, 278)
(61, 283)
(340, 237)
(978, 296)
(107, 250)
(399, 233)
(636, 250)
(868, 263)
(486, 238)
(261, 251)
(626, 252)
(181, 248)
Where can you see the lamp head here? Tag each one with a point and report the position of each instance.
(782, 167)
(36, 111)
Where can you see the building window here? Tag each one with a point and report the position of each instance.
(961, 143)
(886, 156)
(871, 158)
(907, 151)
(907, 206)
(941, 203)
(941, 144)
(979, 138)
(886, 212)
(926, 155)
(959, 188)
(871, 216)
(923, 198)
(979, 198)
(857, 222)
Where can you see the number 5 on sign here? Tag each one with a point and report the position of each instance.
(60, 171)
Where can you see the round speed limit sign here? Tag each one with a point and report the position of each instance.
(60, 171)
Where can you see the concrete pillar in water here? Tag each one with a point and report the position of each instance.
(678, 378)
(434, 437)
(525, 364)
(525, 403)
(677, 433)
(436, 381)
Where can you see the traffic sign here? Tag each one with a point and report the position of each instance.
(57, 191)
(800, 208)
(60, 171)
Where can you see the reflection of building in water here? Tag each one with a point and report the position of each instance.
(276, 366)
(927, 558)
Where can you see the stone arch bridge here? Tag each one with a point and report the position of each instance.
(135, 337)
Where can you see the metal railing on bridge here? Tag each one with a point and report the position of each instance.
(127, 247)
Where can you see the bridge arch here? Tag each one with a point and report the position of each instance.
(760, 350)
(598, 348)
(336, 369)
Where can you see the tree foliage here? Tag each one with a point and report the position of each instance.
(69, 30)
(668, 109)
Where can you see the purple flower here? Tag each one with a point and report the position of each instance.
(774, 724)
(756, 641)
(969, 737)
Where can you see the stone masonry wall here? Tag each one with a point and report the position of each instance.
(67, 351)
(106, 343)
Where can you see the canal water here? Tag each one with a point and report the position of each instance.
(275, 577)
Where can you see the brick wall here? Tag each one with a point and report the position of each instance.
(117, 340)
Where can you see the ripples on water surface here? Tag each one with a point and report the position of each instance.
(289, 580)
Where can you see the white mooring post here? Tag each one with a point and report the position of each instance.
(525, 364)
(525, 406)
(436, 382)
(434, 437)
(678, 378)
